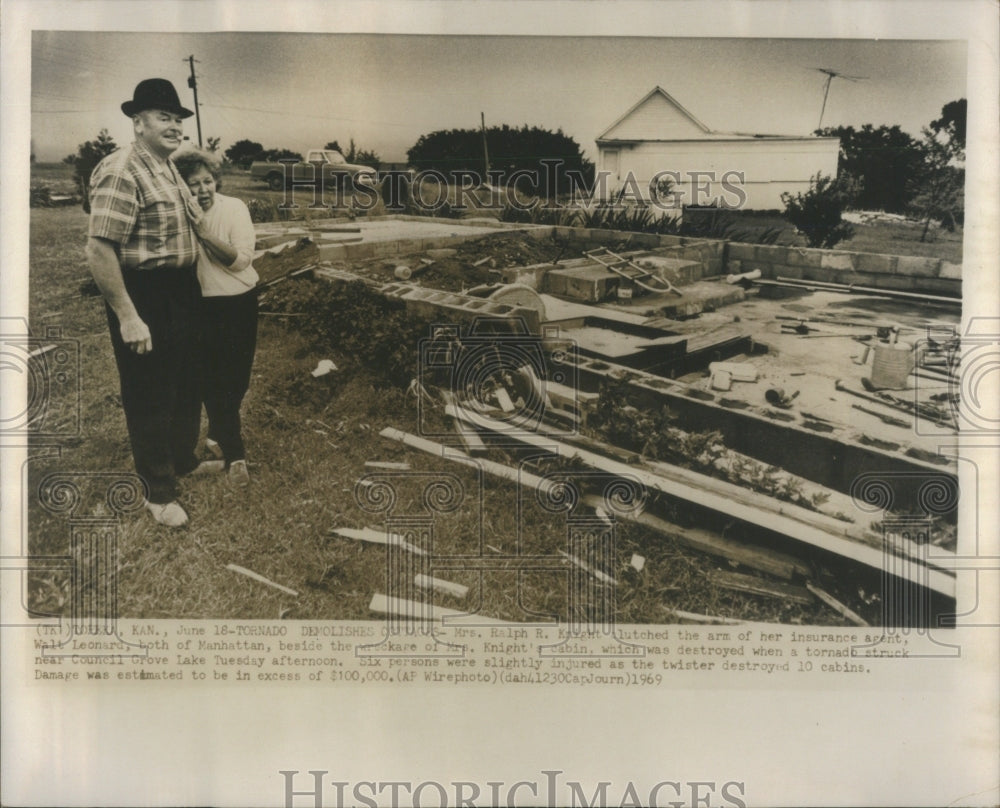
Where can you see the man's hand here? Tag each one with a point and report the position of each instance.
(135, 334)
(103, 261)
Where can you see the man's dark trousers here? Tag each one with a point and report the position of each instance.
(160, 389)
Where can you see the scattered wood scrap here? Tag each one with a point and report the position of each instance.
(261, 579)
(600, 576)
(490, 467)
(440, 585)
(470, 437)
(788, 520)
(417, 610)
(758, 586)
(387, 464)
(694, 617)
(773, 562)
(377, 537)
(836, 605)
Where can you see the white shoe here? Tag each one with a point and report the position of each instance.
(238, 474)
(213, 448)
(170, 514)
(208, 467)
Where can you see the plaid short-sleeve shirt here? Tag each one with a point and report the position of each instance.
(145, 208)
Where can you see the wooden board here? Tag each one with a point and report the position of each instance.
(758, 586)
(734, 501)
(778, 564)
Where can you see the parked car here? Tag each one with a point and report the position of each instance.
(321, 165)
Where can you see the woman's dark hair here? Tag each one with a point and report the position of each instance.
(190, 160)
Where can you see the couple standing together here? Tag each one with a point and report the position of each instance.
(172, 257)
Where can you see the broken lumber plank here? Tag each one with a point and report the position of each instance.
(417, 610)
(862, 290)
(335, 228)
(440, 585)
(694, 617)
(710, 484)
(257, 577)
(770, 561)
(503, 399)
(469, 437)
(449, 453)
(376, 537)
(739, 582)
(387, 464)
(578, 562)
(722, 497)
(836, 605)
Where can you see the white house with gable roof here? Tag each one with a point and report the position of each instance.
(658, 139)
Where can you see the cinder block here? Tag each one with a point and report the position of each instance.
(734, 267)
(836, 260)
(332, 252)
(408, 245)
(819, 274)
(384, 248)
(803, 257)
(741, 251)
(938, 286)
(590, 284)
(874, 263)
(950, 271)
(770, 253)
(851, 278)
(918, 266)
(788, 271)
(902, 283)
(360, 250)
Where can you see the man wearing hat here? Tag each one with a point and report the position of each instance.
(142, 248)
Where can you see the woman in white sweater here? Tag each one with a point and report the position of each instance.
(229, 307)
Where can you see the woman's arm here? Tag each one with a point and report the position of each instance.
(235, 252)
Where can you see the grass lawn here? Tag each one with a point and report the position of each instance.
(308, 439)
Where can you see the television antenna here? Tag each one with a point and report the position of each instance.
(830, 76)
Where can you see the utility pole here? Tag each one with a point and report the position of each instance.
(486, 153)
(193, 84)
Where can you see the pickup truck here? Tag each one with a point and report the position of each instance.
(321, 165)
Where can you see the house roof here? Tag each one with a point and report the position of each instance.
(670, 100)
(700, 130)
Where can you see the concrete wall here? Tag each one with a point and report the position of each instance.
(709, 252)
(903, 273)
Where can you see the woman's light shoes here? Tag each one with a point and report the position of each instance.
(238, 474)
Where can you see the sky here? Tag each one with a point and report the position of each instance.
(300, 91)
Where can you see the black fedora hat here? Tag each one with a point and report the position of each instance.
(155, 94)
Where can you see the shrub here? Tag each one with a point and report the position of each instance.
(87, 156)
(41, 196)
(356, 322)
(818, 212)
